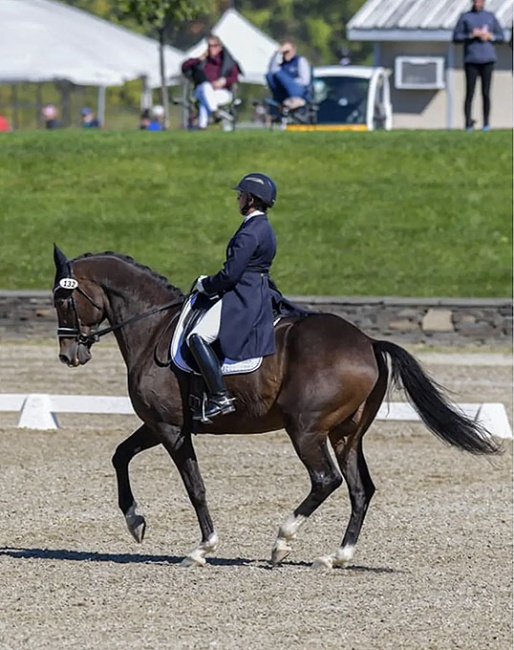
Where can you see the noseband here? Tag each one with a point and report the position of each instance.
(71, 285)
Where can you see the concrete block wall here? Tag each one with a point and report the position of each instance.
(26, 315)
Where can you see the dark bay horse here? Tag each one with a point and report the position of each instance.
(324, 386)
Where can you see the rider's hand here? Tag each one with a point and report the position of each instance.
(199, 285)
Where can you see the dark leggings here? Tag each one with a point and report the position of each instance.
(485, 72)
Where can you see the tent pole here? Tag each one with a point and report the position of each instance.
(146, 94)
(100, 107)
(14, 100)
(39, 106)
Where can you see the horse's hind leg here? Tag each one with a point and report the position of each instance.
(312, 449)
(361, 489)
(347, 444)
(143, 438)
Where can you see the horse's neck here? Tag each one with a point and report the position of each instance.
(131, 291)
(136, 336)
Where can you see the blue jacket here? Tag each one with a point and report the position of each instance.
(246, 315)
(476, 50)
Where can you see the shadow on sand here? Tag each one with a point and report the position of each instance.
(140, 558)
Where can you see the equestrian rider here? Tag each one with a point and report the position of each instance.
(242, 319)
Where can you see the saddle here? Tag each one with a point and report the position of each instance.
(193, 310)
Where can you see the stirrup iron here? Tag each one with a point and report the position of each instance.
(220, 404)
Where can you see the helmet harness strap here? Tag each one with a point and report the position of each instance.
(245, 208)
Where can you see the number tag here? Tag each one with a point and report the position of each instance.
(68, 283)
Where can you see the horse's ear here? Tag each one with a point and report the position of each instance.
(60, 259)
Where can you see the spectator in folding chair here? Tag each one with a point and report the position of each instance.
(213, 74)
(49, 113)
(289, 77)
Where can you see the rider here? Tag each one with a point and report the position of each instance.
(243, 318)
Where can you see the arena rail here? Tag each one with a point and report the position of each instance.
(38, 410)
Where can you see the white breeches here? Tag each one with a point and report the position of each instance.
(209, 327)
(210, 98)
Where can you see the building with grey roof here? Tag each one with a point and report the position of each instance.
(413, 39)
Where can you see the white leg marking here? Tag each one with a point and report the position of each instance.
(290, 526)
(197, 556)
(342, 557)
(286, 533)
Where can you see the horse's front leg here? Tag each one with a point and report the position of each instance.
(179, 445)
(143, 438)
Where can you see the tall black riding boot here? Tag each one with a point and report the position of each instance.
(219, 402)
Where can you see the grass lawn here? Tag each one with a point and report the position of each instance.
(399, 213)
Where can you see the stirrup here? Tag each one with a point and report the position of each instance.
(213, 406)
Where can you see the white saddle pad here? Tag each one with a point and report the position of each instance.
(229, 366)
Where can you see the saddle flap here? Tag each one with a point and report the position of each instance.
(193, 310)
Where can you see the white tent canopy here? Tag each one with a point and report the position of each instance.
(44, 40)
(247, 44)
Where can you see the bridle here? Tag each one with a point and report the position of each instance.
(71, 285)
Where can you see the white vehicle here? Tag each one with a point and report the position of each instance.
(350, 98)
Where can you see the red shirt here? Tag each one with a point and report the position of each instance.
(4, 124)
(212, 69)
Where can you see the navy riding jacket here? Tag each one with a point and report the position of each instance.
(246, 315)
(475, 50)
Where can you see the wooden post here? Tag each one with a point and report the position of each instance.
(15, 107)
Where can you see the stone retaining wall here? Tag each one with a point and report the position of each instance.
(430, 321)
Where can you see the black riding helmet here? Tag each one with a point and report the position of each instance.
(259, 185)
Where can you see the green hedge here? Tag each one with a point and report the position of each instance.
(398, 213)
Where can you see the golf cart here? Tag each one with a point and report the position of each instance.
(347, 98)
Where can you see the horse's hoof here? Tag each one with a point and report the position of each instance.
(137, 527)
(322, 563)
(279, 554)
(189, 561)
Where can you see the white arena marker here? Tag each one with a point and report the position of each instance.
(492, 416)
(38, 411)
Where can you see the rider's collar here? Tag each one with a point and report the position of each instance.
(254, 213)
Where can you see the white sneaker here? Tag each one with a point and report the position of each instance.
(225, 115)
(292, 103)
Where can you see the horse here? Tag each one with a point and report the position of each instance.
(324, 386)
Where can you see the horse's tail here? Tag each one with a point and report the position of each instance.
(433, 406)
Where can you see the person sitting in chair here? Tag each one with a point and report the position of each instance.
(289, 76)
(212, 73)
(242, 319)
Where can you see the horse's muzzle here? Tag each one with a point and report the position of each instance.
(75, 354)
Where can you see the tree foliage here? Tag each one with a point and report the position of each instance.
(318, 26)
(158, 16)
